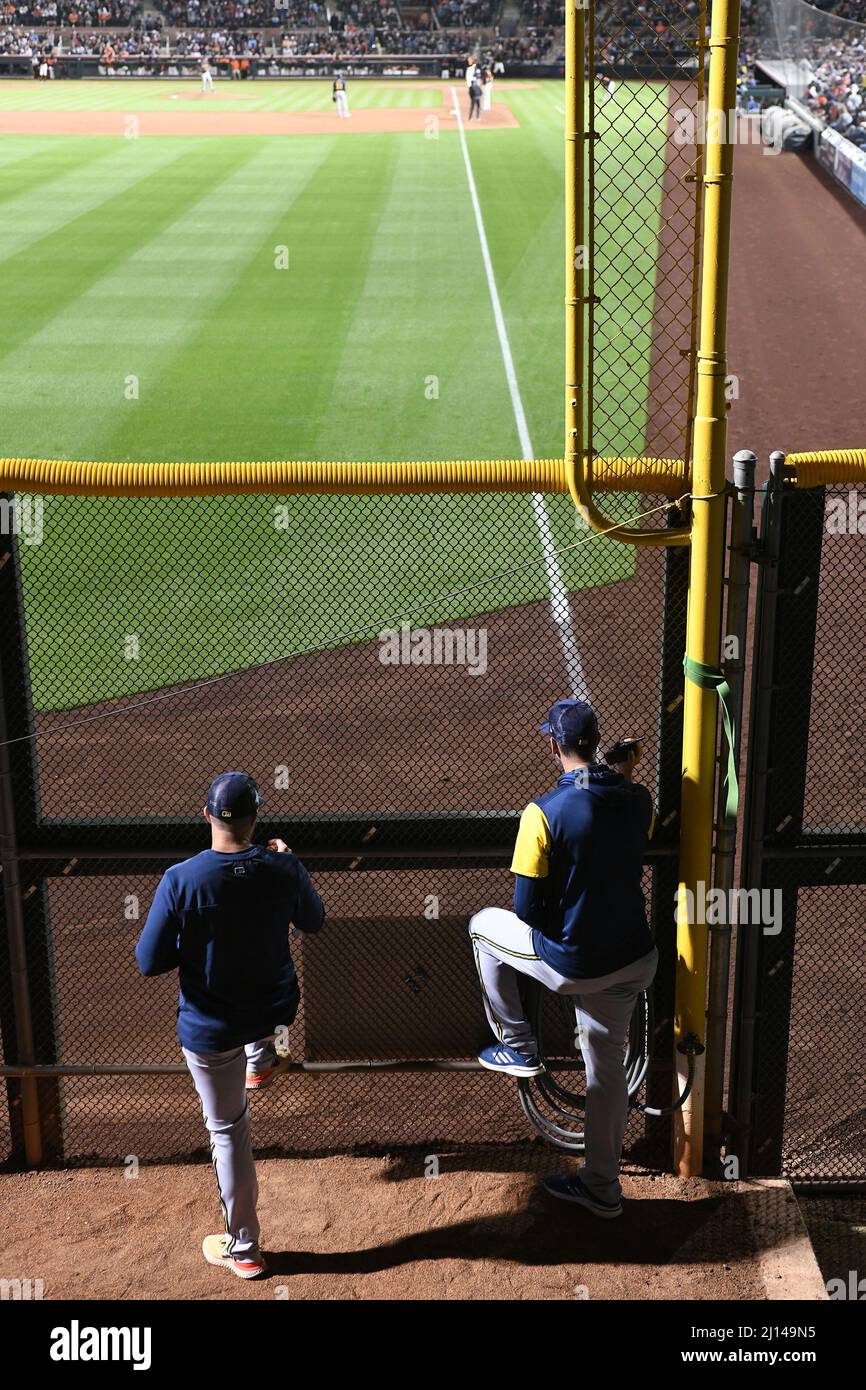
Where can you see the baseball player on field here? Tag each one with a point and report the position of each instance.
(340, 95)
(221, 919)
(579, 927)
(486, 86)
(475, 97)
(206, 76)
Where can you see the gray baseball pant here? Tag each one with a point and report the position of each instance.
(504, 951)
(220, 1079)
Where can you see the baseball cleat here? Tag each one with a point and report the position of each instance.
(498, 1057)
(570, 1189)
(214, 1250)
(258, 1080)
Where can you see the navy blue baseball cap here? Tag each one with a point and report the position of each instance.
(572, 722)
(233, 796)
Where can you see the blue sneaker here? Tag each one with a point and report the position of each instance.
(498, 1057)
(571, 1189)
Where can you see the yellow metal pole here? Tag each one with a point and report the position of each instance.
(580, 466)
(575, 248)
(703, 633)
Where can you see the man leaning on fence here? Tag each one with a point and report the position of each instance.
(221, 919)
(578, 927)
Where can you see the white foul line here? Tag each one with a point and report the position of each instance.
(559, 605)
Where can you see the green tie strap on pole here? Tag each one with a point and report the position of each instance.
(710, 678)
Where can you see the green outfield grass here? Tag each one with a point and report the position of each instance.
(154, 259)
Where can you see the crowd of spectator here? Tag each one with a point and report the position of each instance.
(86, 14)
(627, 32)
(22, 42)
(532, 46)
(186, 43)
(836, 93)
(383, 39)
(845, 9)
(467, 14)
(543, 13)
(220, 14)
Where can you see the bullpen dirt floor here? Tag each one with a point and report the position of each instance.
(382, 1228)
(797, 328)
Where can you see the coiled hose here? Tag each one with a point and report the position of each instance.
(550, 1104)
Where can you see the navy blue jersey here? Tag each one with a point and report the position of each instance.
(222, 921)
(579, 866)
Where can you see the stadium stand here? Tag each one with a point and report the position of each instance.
(628, 34)
(845, 9)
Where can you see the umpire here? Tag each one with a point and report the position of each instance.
(221, 919)
(475, 97)
(579, 927)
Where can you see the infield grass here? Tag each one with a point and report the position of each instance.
(144, 318)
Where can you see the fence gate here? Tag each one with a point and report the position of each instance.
(798, 1084)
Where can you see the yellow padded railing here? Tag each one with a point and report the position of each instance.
(828, 466)
(668, 477)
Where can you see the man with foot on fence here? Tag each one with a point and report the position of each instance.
(578, 927)
(221, 919)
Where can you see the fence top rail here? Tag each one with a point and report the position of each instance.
(70, 478)
(819, 467)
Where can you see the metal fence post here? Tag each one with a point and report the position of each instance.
(758, 770)
(741, 552)
(20, 985)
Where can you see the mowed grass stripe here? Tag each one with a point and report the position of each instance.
(317, 362)
(187, 637)
(132, 321)
(90, 175)
(196, 634)
(38, 171)
(409, 352)
(321, 591)
(57, 270)
(630, 157)
(414, 365)
(262, 340)
(523, 216)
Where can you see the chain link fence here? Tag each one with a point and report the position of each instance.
(381, 666)
(644, 211)
(801, 1007)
